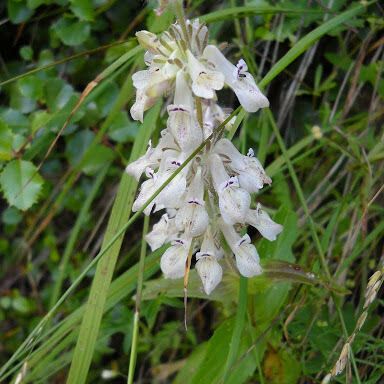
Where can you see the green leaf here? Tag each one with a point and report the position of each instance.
(6, 139)
(18, 11)
(26, 52)
(304, 43)
(77, 145)
(83, 9)
(31, 87)
(123, 129)
(96, 159)
(72, 32)
(21, 184)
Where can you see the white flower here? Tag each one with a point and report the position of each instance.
(173, 261)
(234, 201)
(247, 258)
(237, 77)
(162, 232)
(207, 266)
(204, 80)
(192, 216)
(137, 167)
(167, 198)
(250, 172)
(142, 103)
(263, 223)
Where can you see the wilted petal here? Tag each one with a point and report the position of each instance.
(173, 261)
(209, 270)
(263, 223)
(242, 82)
(204, 81)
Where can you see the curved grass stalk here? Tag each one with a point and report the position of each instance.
(136, 319)
(70, 245)
(312, 228)
(249, 10)
(61, 61)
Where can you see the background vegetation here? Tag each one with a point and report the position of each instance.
(320, 64)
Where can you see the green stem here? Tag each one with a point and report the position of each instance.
(108, 245)
(238, 328)
(312, 228)
(74, 235)
(136, 319)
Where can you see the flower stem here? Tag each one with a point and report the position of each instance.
(238, 328)
(136, 318)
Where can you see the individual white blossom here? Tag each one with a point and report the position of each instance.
(210, 199)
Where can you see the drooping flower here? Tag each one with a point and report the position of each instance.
(210, 198)
(207, 67)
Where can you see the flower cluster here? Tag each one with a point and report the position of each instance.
(209, 200)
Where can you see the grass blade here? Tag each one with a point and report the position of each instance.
(304, 43)
(121, 210)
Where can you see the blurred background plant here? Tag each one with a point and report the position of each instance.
(322, 142)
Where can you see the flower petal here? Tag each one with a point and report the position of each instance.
(263, 223)
(204, 81)
(172, 262)
(242, 83)
(210, 272)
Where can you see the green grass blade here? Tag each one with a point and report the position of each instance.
(121, 210)
(247, 10)
(304, 43)
(74, 235)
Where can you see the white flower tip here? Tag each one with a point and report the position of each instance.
(210, 273)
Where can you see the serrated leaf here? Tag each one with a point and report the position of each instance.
(21, 184)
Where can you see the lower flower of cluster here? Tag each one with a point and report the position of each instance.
(208, 201)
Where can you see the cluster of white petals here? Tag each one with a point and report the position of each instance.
(210, 199)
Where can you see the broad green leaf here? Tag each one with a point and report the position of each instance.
(21, 184)
(123, 129)
(18, 11)
(211, 368)
(96, 159)
(77, 145)
(31, 87)
(26, 52)
(83, 9)
(71, 31)
(6, 140)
